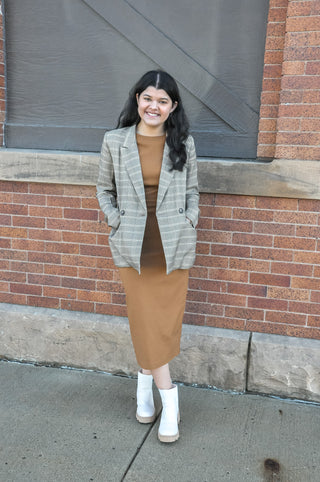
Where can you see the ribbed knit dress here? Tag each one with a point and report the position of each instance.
(155, 300)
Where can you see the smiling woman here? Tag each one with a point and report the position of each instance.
(148, 191)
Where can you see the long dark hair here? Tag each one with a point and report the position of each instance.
(176, 126)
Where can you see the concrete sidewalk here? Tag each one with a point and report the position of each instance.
(60, 425)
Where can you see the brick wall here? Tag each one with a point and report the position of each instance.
(257, 268)
(258, 262)
(290, 101)
(2, 81)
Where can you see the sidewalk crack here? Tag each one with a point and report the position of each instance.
(248, 361)
(139, 448)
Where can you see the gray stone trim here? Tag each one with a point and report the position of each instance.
(278, 178)
(214, 357)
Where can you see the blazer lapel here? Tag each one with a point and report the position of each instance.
(166, 176)
(130, 156)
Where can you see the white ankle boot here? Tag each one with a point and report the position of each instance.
(170, 417)
(145, 405)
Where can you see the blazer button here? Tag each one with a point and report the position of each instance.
(122, 212)
(180, 210)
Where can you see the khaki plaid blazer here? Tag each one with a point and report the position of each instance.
(120, 192)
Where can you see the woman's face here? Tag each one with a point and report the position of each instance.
(154, 108)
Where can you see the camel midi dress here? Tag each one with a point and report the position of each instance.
(155, 300)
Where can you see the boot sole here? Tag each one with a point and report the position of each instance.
(145, 419)
(168, 438)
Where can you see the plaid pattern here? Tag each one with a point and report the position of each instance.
(120, 192)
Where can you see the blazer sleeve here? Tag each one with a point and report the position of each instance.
(192, 190)
(106, 186)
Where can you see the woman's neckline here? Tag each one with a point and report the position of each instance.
(155, 136)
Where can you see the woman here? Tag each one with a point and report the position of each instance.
(148, 191)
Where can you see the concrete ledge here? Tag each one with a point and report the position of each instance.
(209, 356)
(285, 366)
(225, 359)
(292, 178)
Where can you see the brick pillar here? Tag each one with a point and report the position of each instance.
(298, 135)
(2, 80)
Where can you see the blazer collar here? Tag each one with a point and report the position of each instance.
(132, 162)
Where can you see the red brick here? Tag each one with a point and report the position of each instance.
(299, 9)
(198, 307)
(192, 319)
(10, 232)
(29, 199)
(13, 254)
(252, 239)
(232, 251)
(228, 275)
(41, 279)
(285, 317)
(293, 67)
(45, 234)
(112, 309)
(198, 272)
(90, 203)
(310, 125)
(39, 257)
(81, 284)
(269, 279)
(62, 248)
(268, 304)
(5, 265)
(205, 223)
(196, 295)
(27, 221)
(203, 248)
(226, 299)
(77, 305)
(13, 276)
(305, 283)
(245, 313)
(300, 24)
(264, 327)
(14, 209)
(90, 250)
(234, 200)
(232, 225)
(314, 321)
(110, 287)
(45, 212)
(305, 244)
(311, 96)
(64, 201)
(292, 269)
(42, 188)
(26, 289)
(223, 322)
(288, 124)
(302, 307)
(6, 197)
(249, 265)
(5, 220)
(297, 152)
(313, 333)
(76, 260)
(19, 299)
(308, 231)
(57, 292)
(88, 214)
(211, 261)
(26, 267)
(95, 296)
(299, 82)
(267, 125)
(27, 245)
(84, 238)
(307, 258)
(207, 199)
(5, 243)
(94, 227)
(274, 43)
(216, 212)
(303, 39)
(204, 285)
(288, 293)
(97, 274)
(63, 224)
(118, 299)
(274, 228)
(43, 302)
(81, 191)
(246, 289)
(59, 270)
